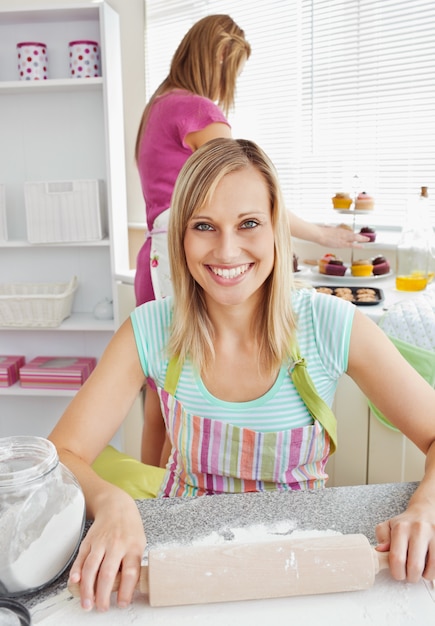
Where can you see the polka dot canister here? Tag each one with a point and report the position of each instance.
(84, 59)
(32, 60)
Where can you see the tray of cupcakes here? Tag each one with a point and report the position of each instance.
(331, 266)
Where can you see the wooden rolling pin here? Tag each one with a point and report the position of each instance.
(273, 568)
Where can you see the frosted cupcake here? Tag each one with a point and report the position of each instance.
(341, 200)
(362, 267)
(331, 265)
(368, 232)
(364, 202)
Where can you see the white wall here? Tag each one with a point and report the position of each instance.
(131, 14)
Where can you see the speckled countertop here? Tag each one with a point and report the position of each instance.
(344, 509)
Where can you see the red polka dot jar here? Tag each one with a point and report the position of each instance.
(32, 60)
(84, 59)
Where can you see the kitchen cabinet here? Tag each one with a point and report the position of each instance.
(392, 457)
(348, 466)
(369, 452)
(60, 129)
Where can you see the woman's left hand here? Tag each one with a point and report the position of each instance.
(410, 539)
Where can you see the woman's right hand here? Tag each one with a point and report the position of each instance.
(114, 544)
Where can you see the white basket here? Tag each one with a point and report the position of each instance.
(43, 305)
(60, 211)
(3, 225)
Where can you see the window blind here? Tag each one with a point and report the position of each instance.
(340, 94)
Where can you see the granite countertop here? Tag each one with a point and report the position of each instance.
(355, 509)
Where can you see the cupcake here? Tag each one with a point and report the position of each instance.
(331, 265)
(364, 202)
(323, 262)
(368, 232)
(380, 266)
(341, 200)
(362, 267)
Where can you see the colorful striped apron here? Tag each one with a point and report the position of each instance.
(211, 457)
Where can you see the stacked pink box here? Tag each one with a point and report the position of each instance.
(51, 372)
(9, 369)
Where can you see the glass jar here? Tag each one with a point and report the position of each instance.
(414, 247)
(42, 515)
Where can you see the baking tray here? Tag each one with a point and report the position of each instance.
(356, 293)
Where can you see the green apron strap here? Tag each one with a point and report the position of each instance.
(172, 375)
(318, 408)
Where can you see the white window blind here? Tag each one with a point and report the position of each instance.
(334, 89)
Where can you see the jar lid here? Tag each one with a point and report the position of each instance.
(31, 43)
(81, 41)
(12, 609)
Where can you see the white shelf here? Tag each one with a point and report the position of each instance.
(21, 243)
(86, 322)
(77, 322)
(60, 85)
(17, 390)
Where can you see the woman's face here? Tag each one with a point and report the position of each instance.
(229, 244)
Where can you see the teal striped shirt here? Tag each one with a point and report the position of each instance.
(324, 328)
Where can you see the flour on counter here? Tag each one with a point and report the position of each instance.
(257, 533)
(262, 533)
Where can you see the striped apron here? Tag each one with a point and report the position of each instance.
(210, 456)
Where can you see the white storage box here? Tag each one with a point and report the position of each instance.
(3, 225)
(43, 305)
(64, 211)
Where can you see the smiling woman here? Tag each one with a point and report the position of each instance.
(245, 368)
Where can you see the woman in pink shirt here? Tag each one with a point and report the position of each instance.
(188, 109)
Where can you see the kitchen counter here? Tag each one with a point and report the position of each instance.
(341, 509)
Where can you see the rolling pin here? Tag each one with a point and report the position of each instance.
(273, 568)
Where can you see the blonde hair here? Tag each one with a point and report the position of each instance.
(207, 63)
(275, 324)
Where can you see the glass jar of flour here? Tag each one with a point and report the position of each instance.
(42, 514)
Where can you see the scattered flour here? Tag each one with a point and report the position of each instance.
(261, 533)
(258, 533)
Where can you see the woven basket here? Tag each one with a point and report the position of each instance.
(43, 305)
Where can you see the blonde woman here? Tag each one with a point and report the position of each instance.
(189, 108)
(245, 364)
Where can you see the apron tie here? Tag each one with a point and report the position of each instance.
(318, 408)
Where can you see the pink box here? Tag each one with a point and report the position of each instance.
(9, 369)
(54, 372)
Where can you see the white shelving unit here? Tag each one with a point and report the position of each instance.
(60, 129)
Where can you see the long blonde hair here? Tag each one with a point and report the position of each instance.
(207, 63)
(192, 331)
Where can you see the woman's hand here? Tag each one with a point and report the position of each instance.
(114, 544)
(340, 237)
(327, 236)
(410, 539)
